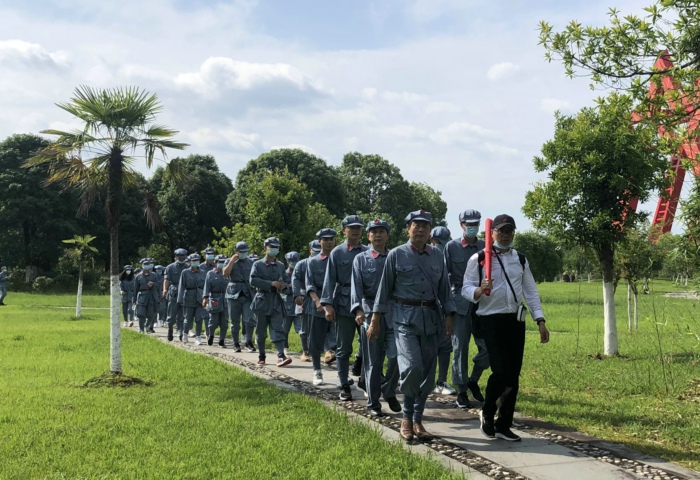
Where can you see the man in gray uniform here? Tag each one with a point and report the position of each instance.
(267, 278)
(162, 306)
(170, 284)
(213, 301)
(3, 285)
(415, 278)
(290, 307)
(376, 339)
(302, 300)
(439, 237)
(189, 295)
(457, 254)
(319, 325)
(239, 296)
(146, 296)
(335, 297)
(206, 267)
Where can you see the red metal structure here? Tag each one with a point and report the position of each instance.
(668, 200)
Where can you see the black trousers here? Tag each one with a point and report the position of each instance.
(504, 336)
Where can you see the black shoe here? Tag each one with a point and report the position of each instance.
(249, 347)
(222, 343)
(394, 404)
(170, 334)
(340, 385)
(357, 367)
(487, 427)
(361, 383)
(476, 392)
(210, 340)
(236, 347)
(150, 330)
(375, 413)
(506, 434)
(345, 393)
(463, 400)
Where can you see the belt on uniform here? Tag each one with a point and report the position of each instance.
(190, 289)
(216, 292)
(415, 303)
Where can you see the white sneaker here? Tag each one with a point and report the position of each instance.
(185, 339)
(286, 352)
(318, 377)
(444, 389)
(192, 334)
(197, 340)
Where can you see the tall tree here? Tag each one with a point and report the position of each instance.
(543, 255)
(116, 123)
(81, 252)
(322, 181)
(596, 163)
(190, 212)
(33, 218)
(637, 260)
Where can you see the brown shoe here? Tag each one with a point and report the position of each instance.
(305, 357)
(421, 433)
(406, 430)
(330, 357)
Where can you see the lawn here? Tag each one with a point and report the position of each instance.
(196, 418)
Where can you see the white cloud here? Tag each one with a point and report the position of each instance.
(410, 132)
(551, 105)
(221, 74)
(407, 97)
(442, 107)
(459, 132)
(430, 10)
(500, 149)
(224, 138)
(31, 54)
(501, 70)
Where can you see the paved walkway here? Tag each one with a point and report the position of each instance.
(546, 452)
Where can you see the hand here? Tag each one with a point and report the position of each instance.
(235, 258)
(121, 293)
(299, 300)
(277, 285)
(544, 333)
(150, 284)
(165, 292)
(204, 303)
(373, 331)
(330, 313)
(319, 307)
(448, 326)
(360, 317)
(486, 286)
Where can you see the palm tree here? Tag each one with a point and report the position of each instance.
(81, 252)
(117, 122)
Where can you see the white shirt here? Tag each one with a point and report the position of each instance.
(501, 299)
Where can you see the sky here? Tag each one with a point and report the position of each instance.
(456, 93)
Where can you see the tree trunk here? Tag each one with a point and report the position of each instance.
(79, 300)
(114, 194)
(30, 274)
(646, 286)
(629, 306)
(589, 277)
(610, 338)
(636, 316)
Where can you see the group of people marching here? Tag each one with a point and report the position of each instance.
(412, 306)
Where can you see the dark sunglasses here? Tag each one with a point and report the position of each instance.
(506, 230)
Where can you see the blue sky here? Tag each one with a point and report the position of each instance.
(455, 92)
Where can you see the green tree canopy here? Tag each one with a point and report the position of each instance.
(543, 255)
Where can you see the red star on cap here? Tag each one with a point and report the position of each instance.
(422, 212)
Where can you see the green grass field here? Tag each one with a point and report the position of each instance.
(198, 418)
(647, 398)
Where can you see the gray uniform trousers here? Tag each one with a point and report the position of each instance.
(373, 354)
(461, 333)
(218, 320)
(345, 335)
(275, 322)
(127, 311)
(417, 359)
(290, 320)
(194, 316)
(146, 315)
(445, 347)
(3, 292)
(239, 308)
(321, 335)
(175, 310)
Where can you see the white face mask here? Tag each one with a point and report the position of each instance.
(128, 272)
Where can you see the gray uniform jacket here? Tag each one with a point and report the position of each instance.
(288, 294)
(457, 254)
(172, 274)
(367, 271)
(412, 275)
(299, 282)
(215, 287)
(191, 288)
(127, 286)
(315, 274)
(239, 279)
(143, 294)
(207, 267)
(338, 280)
(266, 300)
(3, 278)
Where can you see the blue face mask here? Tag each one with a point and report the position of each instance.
(180, 261)
(243, 255)
(440, 246)
(471, 232)
(314, 253)
(273, 251)
(210, 258)
(159, 271)
(220, 266)
(194, 264)
(147, 267)
(502, 247)
(292, 264)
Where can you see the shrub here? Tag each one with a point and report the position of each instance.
(42, 284)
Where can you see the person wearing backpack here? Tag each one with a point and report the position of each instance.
(501, 323)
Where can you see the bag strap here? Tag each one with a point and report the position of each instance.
(435, 293)
(482, 257)
(505, 274)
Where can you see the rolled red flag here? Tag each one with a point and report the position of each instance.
(488, 251)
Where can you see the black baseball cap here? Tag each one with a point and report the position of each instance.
(503, 220)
